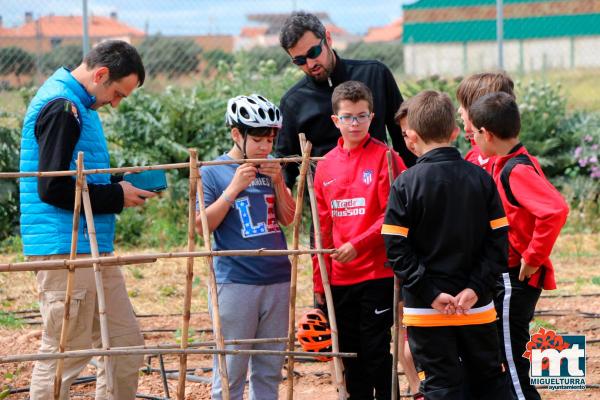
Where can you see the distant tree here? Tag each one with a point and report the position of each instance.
(14, 60)
(212, 59)
(391, 54)
(275, 53)
(171, 56)
(63, 56)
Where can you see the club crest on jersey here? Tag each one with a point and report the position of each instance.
(367, 176)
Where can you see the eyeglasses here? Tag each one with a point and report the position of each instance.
(349, 119)
(312, 53)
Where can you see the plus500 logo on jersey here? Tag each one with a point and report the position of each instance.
(556, 361)
(348, 207)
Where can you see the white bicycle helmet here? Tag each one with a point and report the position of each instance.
(252, 111)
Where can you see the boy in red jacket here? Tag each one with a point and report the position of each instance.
(352, 188)
(470, 89)
(536, 213)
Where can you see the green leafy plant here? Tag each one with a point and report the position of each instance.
(191, 335)
(137, 273)
(538, 323)
(10, 138)
(546, 129)
(10, 321)
(167, 291)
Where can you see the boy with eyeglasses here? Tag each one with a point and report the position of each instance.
(352, 188)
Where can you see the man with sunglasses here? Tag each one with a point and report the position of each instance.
(306, 107)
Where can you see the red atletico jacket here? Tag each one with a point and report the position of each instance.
(352, 189)
(536, 222)
(474, 156)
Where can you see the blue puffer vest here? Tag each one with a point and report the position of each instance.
(46, 229)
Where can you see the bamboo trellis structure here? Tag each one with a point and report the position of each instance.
(217, 347)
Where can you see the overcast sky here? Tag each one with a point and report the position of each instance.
(185, 17)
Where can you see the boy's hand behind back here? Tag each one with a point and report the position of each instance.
(465, 300)
(445, 304)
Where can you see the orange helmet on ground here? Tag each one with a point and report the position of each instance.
(314, 333)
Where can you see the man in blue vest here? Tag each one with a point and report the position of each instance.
(61, 121)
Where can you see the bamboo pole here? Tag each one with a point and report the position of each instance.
(155, 351)
(146, 258)
(70, 276)
(212, 281)
(7, 175)
(294, 272)
(89, 216)
(339, 378)
(187, 302)
(396, 327)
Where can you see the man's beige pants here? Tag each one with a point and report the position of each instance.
(84, 331)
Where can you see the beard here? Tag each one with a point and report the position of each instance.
(321, 71)
(322, 74)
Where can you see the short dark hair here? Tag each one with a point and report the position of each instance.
(259, 131)
(296, 25)
(354, 91)
(498, 113)
(473, 87)
(402, 111)
(431, 115)
(121, 59)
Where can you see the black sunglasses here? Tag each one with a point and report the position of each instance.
(312, 53)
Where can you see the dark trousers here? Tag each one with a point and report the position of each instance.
(364, 317)
(459, 362)
(515, 305)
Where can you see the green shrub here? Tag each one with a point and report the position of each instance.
(150, 128)
(391, 54)
(583, 195)
(547, 130)
(10, 138)
(14, 60)
(275, 54)
(170, 56)
(587, 153)
(69, 56)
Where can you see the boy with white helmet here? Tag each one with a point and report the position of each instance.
(244, 205)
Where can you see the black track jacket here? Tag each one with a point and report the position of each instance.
(445, 229)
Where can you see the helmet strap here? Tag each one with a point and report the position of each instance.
(242, 149)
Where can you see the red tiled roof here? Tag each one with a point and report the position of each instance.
(336, 30)
(71, 26)
(253, 31)
(386, 33)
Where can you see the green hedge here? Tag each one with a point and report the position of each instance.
(158, 128)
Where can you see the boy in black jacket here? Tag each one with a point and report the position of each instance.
(446, 238)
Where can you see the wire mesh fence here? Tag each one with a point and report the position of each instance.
(189, 39)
